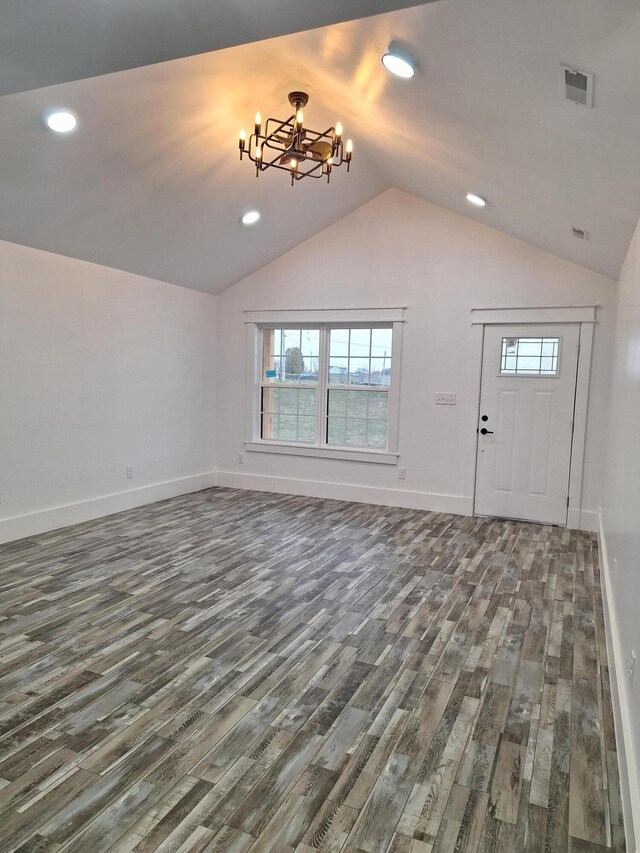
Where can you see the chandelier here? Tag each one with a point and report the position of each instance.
(294, 148)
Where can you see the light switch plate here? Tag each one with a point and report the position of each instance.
(444, 398)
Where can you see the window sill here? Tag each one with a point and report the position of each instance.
(381, 457)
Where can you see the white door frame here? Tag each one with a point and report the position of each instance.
(585, 316)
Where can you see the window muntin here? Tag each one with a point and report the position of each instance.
(358, 418)
(327, 386)
(529, 356)
(288, 414)
(360, 356)
(293, 354)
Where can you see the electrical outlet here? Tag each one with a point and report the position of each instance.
(402, 473)
(129, 472)
(445, 399)
(240, 458)
(632, 668)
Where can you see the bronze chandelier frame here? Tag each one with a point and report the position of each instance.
(296, 149)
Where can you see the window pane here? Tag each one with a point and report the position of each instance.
(377, 434)
(378, 404)
(307, 401)
(339, 343)
(358, 371)
(268, 399)
(286, 400)
(291, 338)
(529, 356)
(338, 403)
(338, 372)
(380, 371)
(310, 343)
(365, 424)
(381, 343)
(306, 429)
(356, 432)
(336, 431)
(290, 355)
(271, 341)
(287, 428)
(359, 342)
(289, 414)
(269, 425)
(357, 404)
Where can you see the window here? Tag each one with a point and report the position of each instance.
(289, 397)
(529, 356)
(359, 357)
(326, 389)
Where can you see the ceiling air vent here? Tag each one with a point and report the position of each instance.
(580, 233)
(577, 86)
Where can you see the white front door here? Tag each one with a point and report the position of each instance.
(525, 423)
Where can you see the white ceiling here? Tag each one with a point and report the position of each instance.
(150, 181)
(43, 42)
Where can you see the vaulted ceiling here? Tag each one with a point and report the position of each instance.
(43, 43)
(150, 180)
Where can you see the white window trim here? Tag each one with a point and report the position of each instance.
(356, 316)
(543, 315)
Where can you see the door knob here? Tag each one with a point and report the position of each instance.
(485, 431)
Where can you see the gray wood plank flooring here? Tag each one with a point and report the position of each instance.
(241, 671)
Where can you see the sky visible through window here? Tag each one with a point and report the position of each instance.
(356, 356)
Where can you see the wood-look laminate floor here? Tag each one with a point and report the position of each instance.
(243, 671)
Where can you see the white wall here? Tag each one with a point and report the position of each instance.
(401, 250)
(99, 369)
(621, 513)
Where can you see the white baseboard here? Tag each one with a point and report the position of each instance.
(629, 781)
(406, 499)
(52, 518)
(585, 519)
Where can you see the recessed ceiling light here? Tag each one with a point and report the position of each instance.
(251, 217)
(400, 64)
(61, 121)
(472, 198)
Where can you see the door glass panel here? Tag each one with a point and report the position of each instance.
(529, 356)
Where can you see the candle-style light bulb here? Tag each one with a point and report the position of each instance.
(349, 148)
(299, 118)
(293, 163)
(328, 165)
(258, 123)
(258, 152)
(338, 132)
(242, 140)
